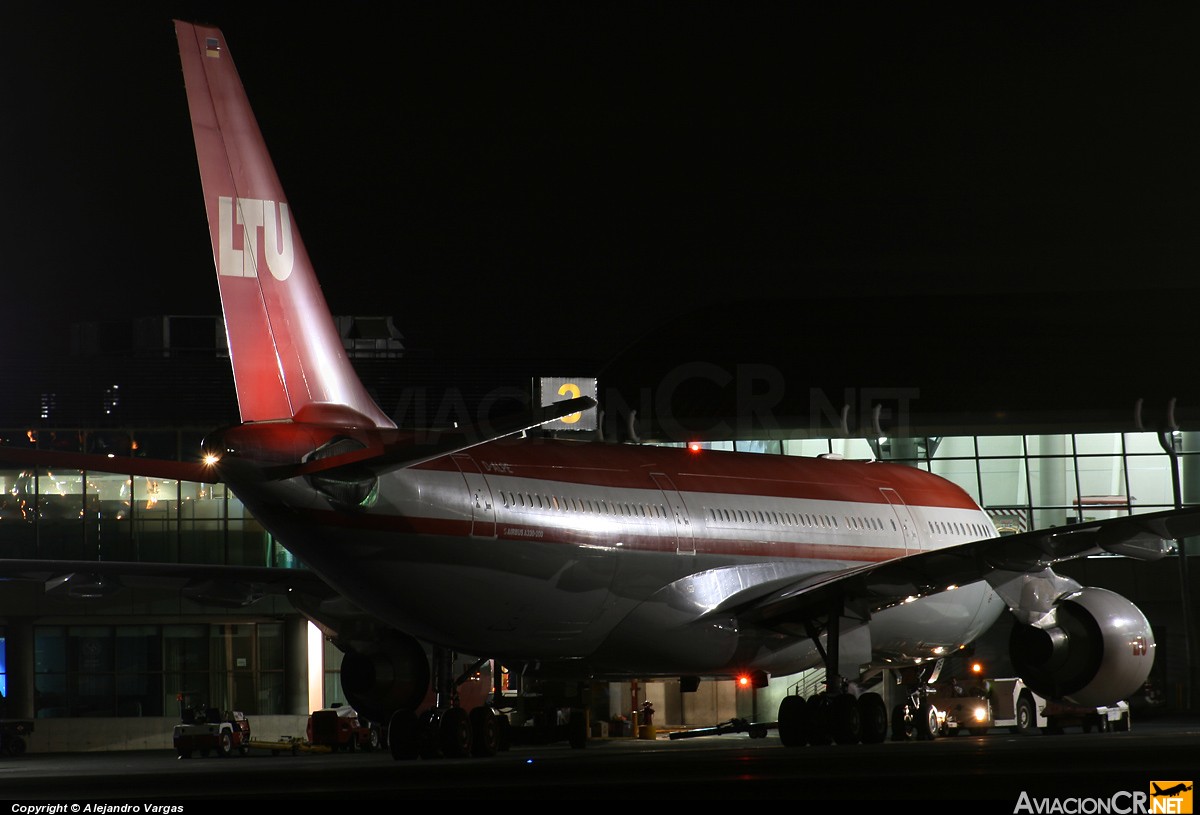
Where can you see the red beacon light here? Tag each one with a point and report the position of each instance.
(694, 446)
(743, 681)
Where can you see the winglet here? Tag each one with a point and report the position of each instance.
(286, 352)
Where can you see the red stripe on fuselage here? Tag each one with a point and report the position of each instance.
(628, 467)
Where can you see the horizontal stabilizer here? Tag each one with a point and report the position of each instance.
(433, 444)
(125, 465)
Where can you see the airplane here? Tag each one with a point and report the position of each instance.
(1175, 789)
(583, 560)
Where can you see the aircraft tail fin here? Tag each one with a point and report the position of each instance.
(288, 359)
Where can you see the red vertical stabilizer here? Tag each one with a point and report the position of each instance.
(287, 356)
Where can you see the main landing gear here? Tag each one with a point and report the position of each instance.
(840, 714)
(845, 712)
(446, 730)
(833, 718)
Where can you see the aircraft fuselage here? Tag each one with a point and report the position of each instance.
(626, 563)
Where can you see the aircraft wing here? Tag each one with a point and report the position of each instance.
(1005, 562)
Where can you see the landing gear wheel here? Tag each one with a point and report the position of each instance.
(845, 718)
(485, 732)
(820, 719)
(793, 721)
(902, 725)
(454, 733)
(429, 734)
(402, 735)
(872, 711)
(927, 722)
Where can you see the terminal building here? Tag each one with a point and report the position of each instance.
(1099, 427)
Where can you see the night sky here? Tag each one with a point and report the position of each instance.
(506, 174)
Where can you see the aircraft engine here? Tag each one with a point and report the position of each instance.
(392, 676)
(1095, 648)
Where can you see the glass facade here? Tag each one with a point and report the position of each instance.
(1041, 481)
(107, 515)
(143, 670)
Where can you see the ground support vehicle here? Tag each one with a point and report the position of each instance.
(341, 728)
(208, 730)
(1008, 703)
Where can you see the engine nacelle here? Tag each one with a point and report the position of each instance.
(1096, 649)
(393, 676)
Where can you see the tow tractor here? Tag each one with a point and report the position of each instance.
(983, 703)
(207, 729)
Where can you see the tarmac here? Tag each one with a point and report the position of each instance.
(1000, 771)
